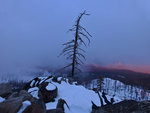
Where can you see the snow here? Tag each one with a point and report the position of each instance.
(50, 87)
(59, 78)
(1, 99)
(32, 83)
(25, 104)
(78, 98)
(42, 79)
(119, 89)
(34, 92)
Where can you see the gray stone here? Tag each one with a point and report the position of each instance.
(11, 105)
(47, 95)
(5, 90)
(37, 106)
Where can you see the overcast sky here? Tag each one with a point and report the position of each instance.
(32, 31)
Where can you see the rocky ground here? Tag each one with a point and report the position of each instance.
(42, 93)
(126, 106)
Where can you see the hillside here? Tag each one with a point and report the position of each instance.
(126, 76)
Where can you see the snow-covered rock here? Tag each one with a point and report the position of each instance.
(34, 92)
(50, 87)
(77, 97)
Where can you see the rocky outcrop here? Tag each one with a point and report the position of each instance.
(5, 90)
(14, 102)
(44, 93)
(32, 99)
(11, 105)
(24, 95)
(37, 106)
(59, 107)
(47, 94)
(127, 106)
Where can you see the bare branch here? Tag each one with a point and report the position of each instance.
(82, 40)
(82, 28)
(77, 63)
(81, 55)
(67, 53)
(70, 56)
(81, 50)
(65, 50)
(68, 48)
(85, 36)
(72, 41)
(78, 69)
(79, 60)
(67, 66)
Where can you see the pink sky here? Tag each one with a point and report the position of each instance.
(137, 68)
(119, 65)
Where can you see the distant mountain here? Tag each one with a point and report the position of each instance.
(125, 76)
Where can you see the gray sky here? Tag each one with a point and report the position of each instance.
(32, 31)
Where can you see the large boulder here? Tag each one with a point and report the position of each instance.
(5, 90)
(11, 105)
(23, 95)
(42, 88)
(48, 92)
(37, 106)
(33, 83)
(14, 102)
(36, 82)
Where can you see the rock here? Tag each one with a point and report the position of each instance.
(47, 95)
(59, 107)
(41, 83)
(14, 102)
(37, 106)
(13, 95)
(33, 83)
(5, 90)
(70, 80)
(11, 105)
(23, 95)
(59, 110)
(127, 106)
(36, 82)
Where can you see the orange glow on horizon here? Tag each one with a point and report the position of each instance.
(119, 65)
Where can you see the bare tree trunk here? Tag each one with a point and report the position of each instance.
(76, 44)
(75, 48)
(72, 48)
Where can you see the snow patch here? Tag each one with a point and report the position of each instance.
(50, 87)
(32, 83)
(25, 104)
(78, 98)
(34, 92)
(2, 99)
(59, 78)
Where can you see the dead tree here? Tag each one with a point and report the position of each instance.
(101, 100)
(72, 49)
(59, 107)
